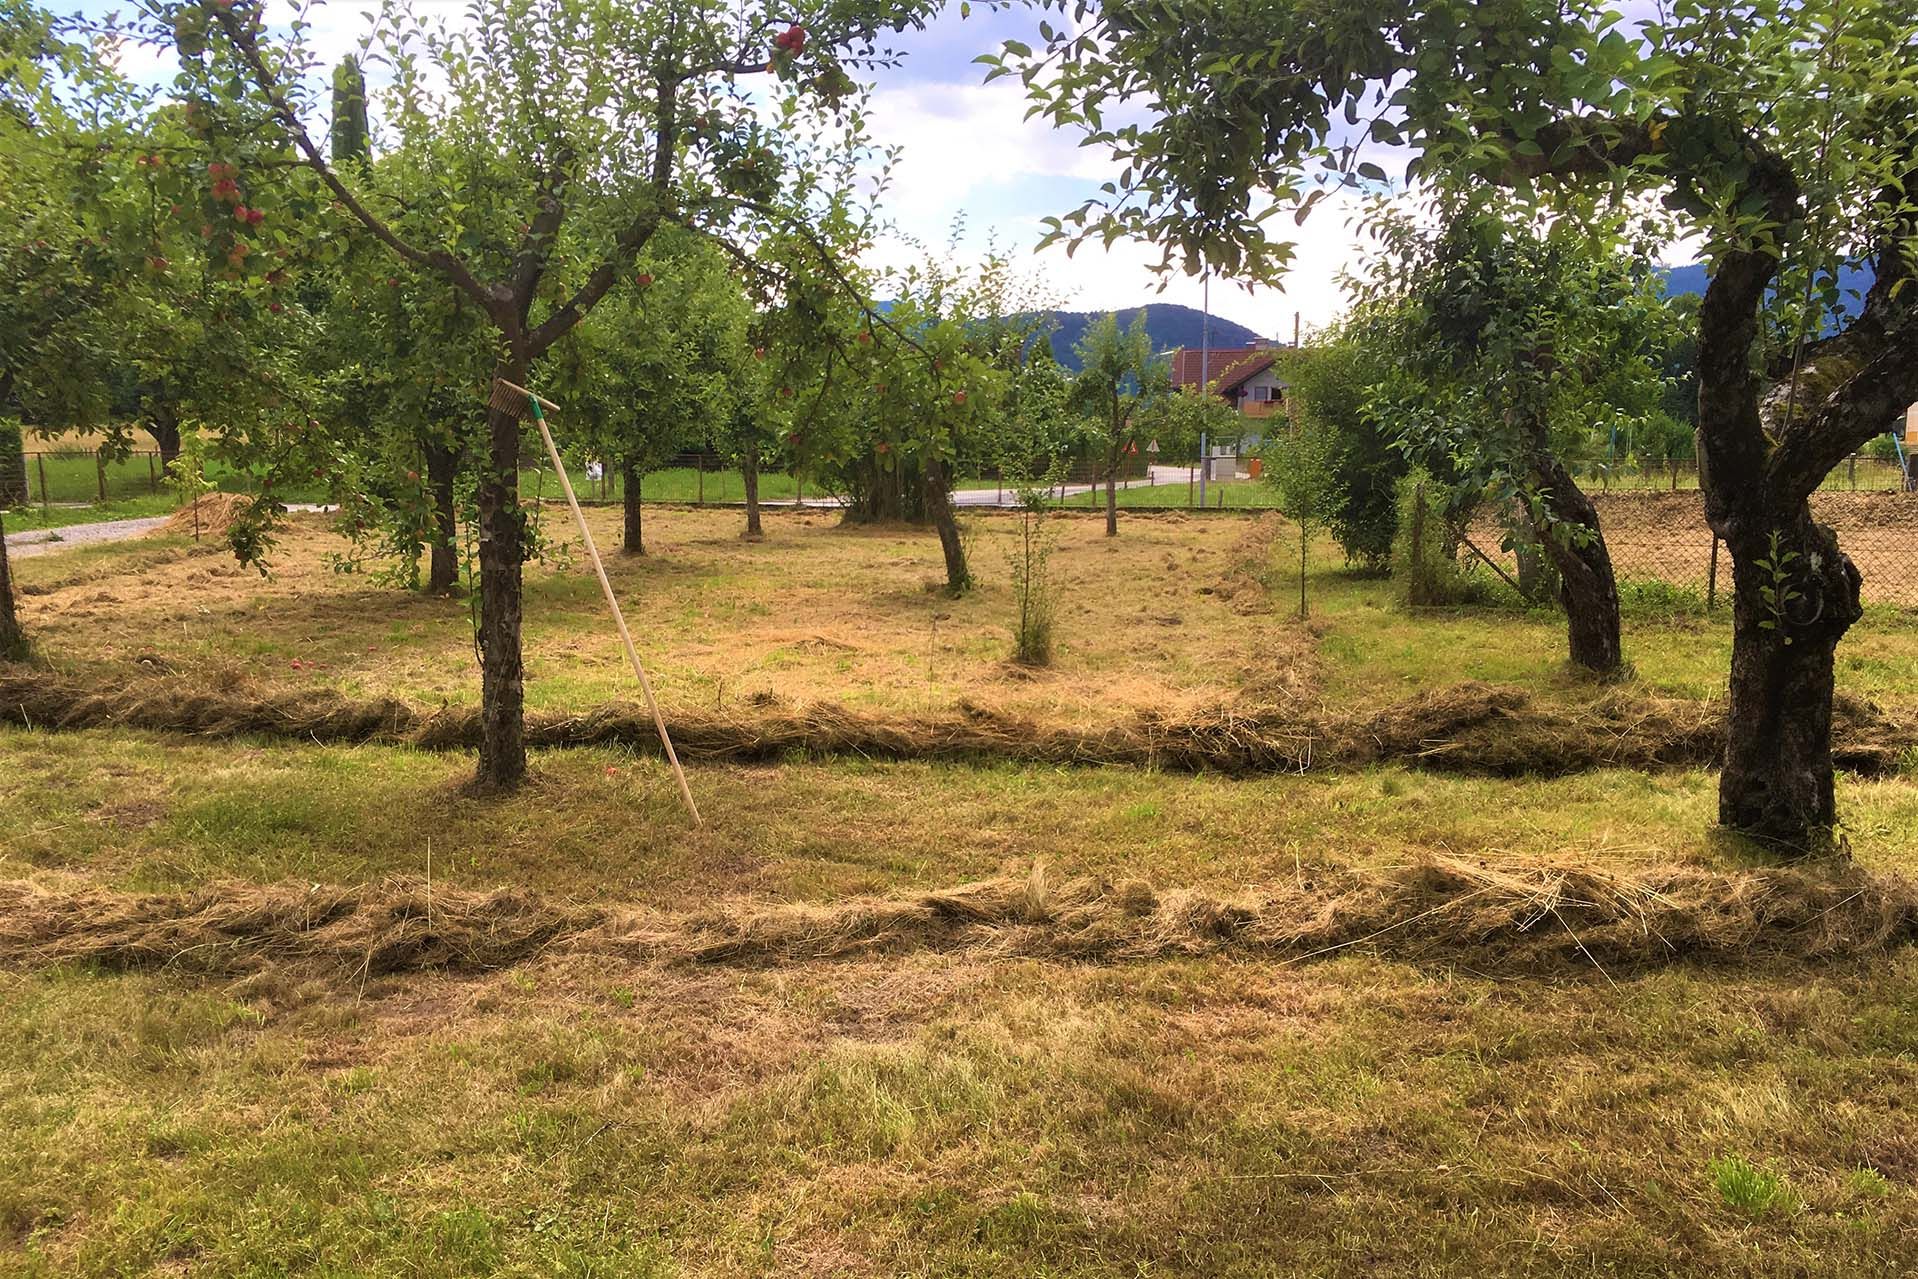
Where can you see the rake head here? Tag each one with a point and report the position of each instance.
(510, 397)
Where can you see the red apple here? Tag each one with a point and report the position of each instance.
(644, 280)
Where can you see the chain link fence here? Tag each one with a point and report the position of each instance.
(1859, 473)
(1662, 536)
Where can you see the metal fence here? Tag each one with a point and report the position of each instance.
(76, 477)
(1663, 537)
(1859, 473)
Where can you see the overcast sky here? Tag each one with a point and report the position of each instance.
(967, 150)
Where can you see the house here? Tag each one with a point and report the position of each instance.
(1243, 376)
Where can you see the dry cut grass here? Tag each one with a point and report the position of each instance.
(1169, 618)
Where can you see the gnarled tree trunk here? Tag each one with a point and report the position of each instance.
(1778, 781)
(164, 426)
(13, 641)
(1797, 592)
(633, 536)
(443, 561)
(502, 756)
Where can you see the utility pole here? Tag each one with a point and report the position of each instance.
(1205, 369)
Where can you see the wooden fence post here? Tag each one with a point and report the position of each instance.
(46, 499)
(100, 469)
(1711, 579)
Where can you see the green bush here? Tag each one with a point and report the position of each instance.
(1652, 597)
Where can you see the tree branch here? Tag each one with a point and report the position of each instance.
(248, 47)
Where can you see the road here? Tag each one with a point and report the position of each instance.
(42, 541)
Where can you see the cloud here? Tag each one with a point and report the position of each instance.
(968, 149)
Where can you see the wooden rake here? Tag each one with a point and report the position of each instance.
(509, 398)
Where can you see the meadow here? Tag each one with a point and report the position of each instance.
(274, 1005)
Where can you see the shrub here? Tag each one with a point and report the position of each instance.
(1425, 551)
(1655, 598)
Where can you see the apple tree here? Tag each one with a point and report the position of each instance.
(603, 124)
(1778, 133)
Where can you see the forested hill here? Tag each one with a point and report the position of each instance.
(1852, 280)
(1169, 324)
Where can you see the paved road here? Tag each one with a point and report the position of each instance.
(43, 541)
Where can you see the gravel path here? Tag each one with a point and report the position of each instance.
(42, 540)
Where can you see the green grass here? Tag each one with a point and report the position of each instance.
(950, 1113)
(138, 506)
(1754, 1191)
(954, 1116)
(137, 811)
(1226, 494)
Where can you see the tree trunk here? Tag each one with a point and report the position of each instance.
(749, 475)
(1112, 502)
(443, 562)
(938, 490)
(164, 427)
(1587, 586)
(502, 758)
(13, 641)
(1796, 592)
(1777, 783)
(633, 541)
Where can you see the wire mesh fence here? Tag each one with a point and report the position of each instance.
(1859, 473)
(1663, 537)
(74, 477)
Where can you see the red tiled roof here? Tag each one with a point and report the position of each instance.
(1229, 367)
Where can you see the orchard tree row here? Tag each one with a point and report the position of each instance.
(655, 217)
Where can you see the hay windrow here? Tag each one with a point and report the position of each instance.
(1467, 728)
(1499, 917)
(210, 516)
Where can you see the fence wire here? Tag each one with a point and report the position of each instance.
(1662, 536)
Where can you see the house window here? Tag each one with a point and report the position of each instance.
(1265, 394)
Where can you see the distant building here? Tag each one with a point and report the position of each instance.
(1242, 376)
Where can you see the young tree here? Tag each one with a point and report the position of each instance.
(1299, 466)
(1119, 386)
(600, 124)
(1782, 136)
(1330, 392)
(656, 367)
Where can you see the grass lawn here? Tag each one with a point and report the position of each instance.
(924, 1110)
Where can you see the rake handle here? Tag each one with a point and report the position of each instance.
(612, 601)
